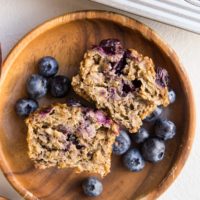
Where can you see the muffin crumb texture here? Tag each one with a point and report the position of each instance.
(123, 82)
(71, 137)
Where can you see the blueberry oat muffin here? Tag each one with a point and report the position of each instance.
(71, 136)
(121, 81)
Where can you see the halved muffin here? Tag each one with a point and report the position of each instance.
(71, 136)
(122, 82)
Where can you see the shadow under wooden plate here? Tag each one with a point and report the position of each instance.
(67, 38)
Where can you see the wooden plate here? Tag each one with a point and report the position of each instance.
(67, 38)
(3, 198)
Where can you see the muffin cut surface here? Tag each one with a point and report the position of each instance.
(123, 82)
(71, 136)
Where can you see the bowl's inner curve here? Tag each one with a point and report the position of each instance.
(67, 43)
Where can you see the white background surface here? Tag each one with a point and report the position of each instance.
(17, 17)
(178, 13)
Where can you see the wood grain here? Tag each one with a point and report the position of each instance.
(67, 38)
(0, 59)
(3, 198)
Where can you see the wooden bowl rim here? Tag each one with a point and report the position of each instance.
(144, 29)
(3, 198)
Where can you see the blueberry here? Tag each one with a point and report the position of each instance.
(59, 86)
(36, 86)
(172, 96)
(162, 77)
(122, 143)
(48, 66)
(165, 129)
(133, 160)
(140, 136)
(111, 46)
(153, 150)
(92, 187)
(24, 107)
(122, 63)
(154, 115)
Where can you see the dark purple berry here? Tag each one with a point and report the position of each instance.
(162, 77)
(122, 143)
(154, 115)
(92, 187)
(59, 86)
(36, 86)
(111, 46)
(25, 106)
(140, 136)
(128, 54)
(48, 66)
(165, 129)
(122, 63)
(133, 160)
(153, 150)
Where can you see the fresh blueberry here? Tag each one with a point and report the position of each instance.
(122, 143)
(48, 66)
(153, 150)
(25, 106)
(36, 86)
(154, 115)
(172, 96)
(59, 86)
(140, 136)
(133, 160)
(165, 129)
(92, 187)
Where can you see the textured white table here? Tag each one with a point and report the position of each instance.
(17, 17)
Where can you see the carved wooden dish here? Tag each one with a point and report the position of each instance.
(67, 38)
